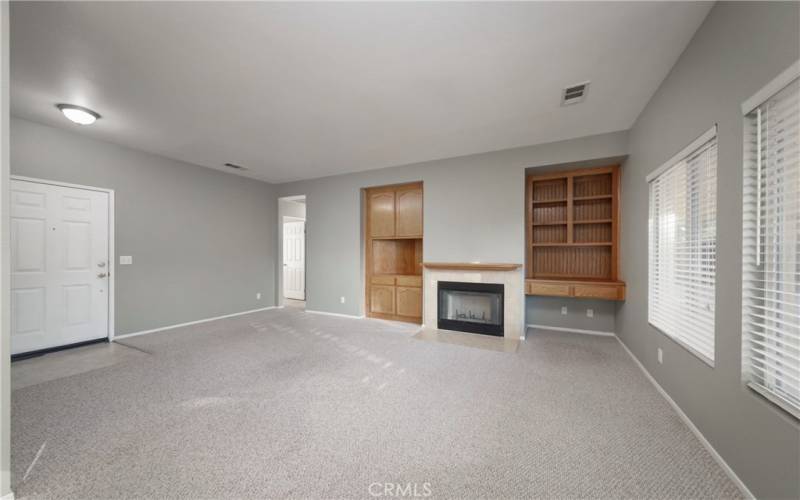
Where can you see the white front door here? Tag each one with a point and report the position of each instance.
(294, 260)
(59, 265)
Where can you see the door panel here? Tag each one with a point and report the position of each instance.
(409, 301)
(409, 212)
(381, 214)
(59, 265)
(381, 299)
(294, 255)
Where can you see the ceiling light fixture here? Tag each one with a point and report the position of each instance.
(78, 114)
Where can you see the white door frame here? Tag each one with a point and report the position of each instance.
(289, 218)
(111, 255)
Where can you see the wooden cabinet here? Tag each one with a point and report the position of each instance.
(395, 212)
(572, 234)
(611, 290)
(381, 213)
(393, 244)
(382, 299)
(409, 301)
(408, 217)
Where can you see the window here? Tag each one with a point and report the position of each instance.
(771, 243)
(682, 251)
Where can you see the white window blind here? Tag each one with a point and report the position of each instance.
(771, 246)
(682, 246)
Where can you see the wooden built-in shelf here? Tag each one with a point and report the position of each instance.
(586, 289)
(572, 233)
(471, 266)
(595, 197)
(394, 236)
(543, 202)
(578, 244)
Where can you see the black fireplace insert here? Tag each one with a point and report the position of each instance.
(470, 307)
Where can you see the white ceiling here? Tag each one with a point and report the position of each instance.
(303, 90)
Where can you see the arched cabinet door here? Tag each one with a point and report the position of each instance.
(381, 214)
(409, 212)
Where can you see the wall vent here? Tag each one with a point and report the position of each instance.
(574, 93)
(235, 166)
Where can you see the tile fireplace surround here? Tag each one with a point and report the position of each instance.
(509, 275)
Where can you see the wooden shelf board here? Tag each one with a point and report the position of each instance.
(396, 237)
(558, 223)
(590, 198)
(576, 244)
(576, 281)
(471, 266)
(595, 221)
(545, 202)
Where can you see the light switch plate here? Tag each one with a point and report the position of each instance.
(564, 310)
(590, 313)
(125, 260)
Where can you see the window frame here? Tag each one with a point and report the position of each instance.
(764, 95)
(684, 154)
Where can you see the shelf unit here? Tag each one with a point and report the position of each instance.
(572, 232)
(394, 236)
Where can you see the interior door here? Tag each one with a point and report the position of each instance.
(294, 260)
(59, 265)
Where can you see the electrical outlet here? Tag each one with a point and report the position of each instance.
(125, 260)
(660, 356)
(564, 310)
(341, 299)
(258, 296)
(590, 313)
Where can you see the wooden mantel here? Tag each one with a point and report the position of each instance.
(471, 266)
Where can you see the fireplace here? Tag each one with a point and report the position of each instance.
(470, 307)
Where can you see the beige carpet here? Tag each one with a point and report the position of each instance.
(282, 404)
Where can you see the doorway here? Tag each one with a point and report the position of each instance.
(61, 265)
(292, 213)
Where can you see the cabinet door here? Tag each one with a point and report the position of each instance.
(381, 213)
(409, 211)
(409, 301)
(381, 299)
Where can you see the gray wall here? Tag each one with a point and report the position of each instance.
(474, 211)
(739, 48)
(202, 241)
(547, 311)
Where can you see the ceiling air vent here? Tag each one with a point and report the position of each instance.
(574, 93)
(235, 166)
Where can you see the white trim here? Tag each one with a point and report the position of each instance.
(571, 330)
(189, 323)
(112, 257)
(335, 314)
(8, 496)
(699, 435)
(776, 85)
(683, 153)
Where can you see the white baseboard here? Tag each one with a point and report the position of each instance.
(8, 496)
(706, 444)
(572, 330)
(206, 320)
(336, 314)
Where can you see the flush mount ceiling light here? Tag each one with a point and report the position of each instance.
(78, 114)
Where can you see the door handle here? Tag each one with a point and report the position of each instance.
(102, 275)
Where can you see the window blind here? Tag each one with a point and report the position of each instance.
(771, 248)
(682, 246)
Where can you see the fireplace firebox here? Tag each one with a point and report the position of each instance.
(470, 307)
